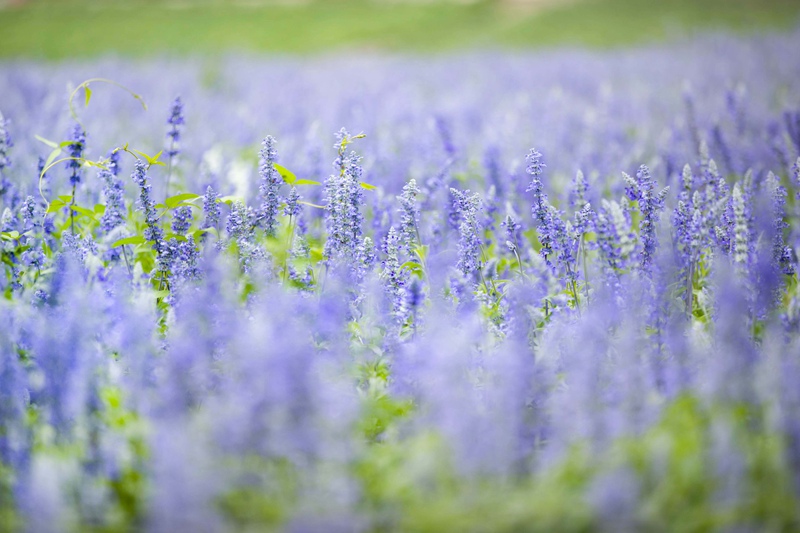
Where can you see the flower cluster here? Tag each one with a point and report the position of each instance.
(419, 344)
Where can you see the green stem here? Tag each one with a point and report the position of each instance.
(72, 212)
(127, 264)
(288, 249)
(583, 259)
(574, 289)
(519, 261)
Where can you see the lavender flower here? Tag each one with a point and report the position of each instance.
(343, 218)
(5, 143)
(469, 243)
(147, 206)
(541, 209)
(580, 187)
(268, 186)
(394, 276)
(512, 229)
(114, 196)
(781, 254)
(239, 221)
(615, 238)
(211, 208)
(175, 123)
(30, 220)
(181, 260)
(181, 219)
(113, 162)
(409, 221)
(583, 219)
(651, 204)
(293, 207)
(741, 230)
(75, 150)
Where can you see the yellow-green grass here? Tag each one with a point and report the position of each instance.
(79, 28)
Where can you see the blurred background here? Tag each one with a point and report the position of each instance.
(55, 29)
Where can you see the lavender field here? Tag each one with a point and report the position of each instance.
(483, 291)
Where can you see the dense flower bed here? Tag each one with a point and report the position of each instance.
(445, 330)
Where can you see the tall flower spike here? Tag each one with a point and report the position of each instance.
(469, 243)
(687, 182)
(211, 208)
(615, 239)
(409, 219)
(344, 197)
(583, 219)
(181, 219)
(75, 150)
(5, 143)
(114, 196)
(512, 228)
(293, 206)
(28, 211)
(113, 162)
(174, 124)
(534, 167)
(650, 206)
(781, 254)
(741, 231)
(238, 222)
(268, 186)
(541, 205)
(577, 196)
(147, 205)
(364, 260)
(394, 276)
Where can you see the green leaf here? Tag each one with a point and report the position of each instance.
(55, 205)
(197, 233)
(178, 199)
(421, 251)
(82, 210)
(138, 239)
(51, 144)
(316, 254)
(100, 209)
(65, 197)
(229, 199)
(161, 294)
(306, 182)
(10, 235)
(150, 160)
(368, 186)
(52, 157)
(413, 266)
(287, 174)
(88, 92)
(177, 236)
